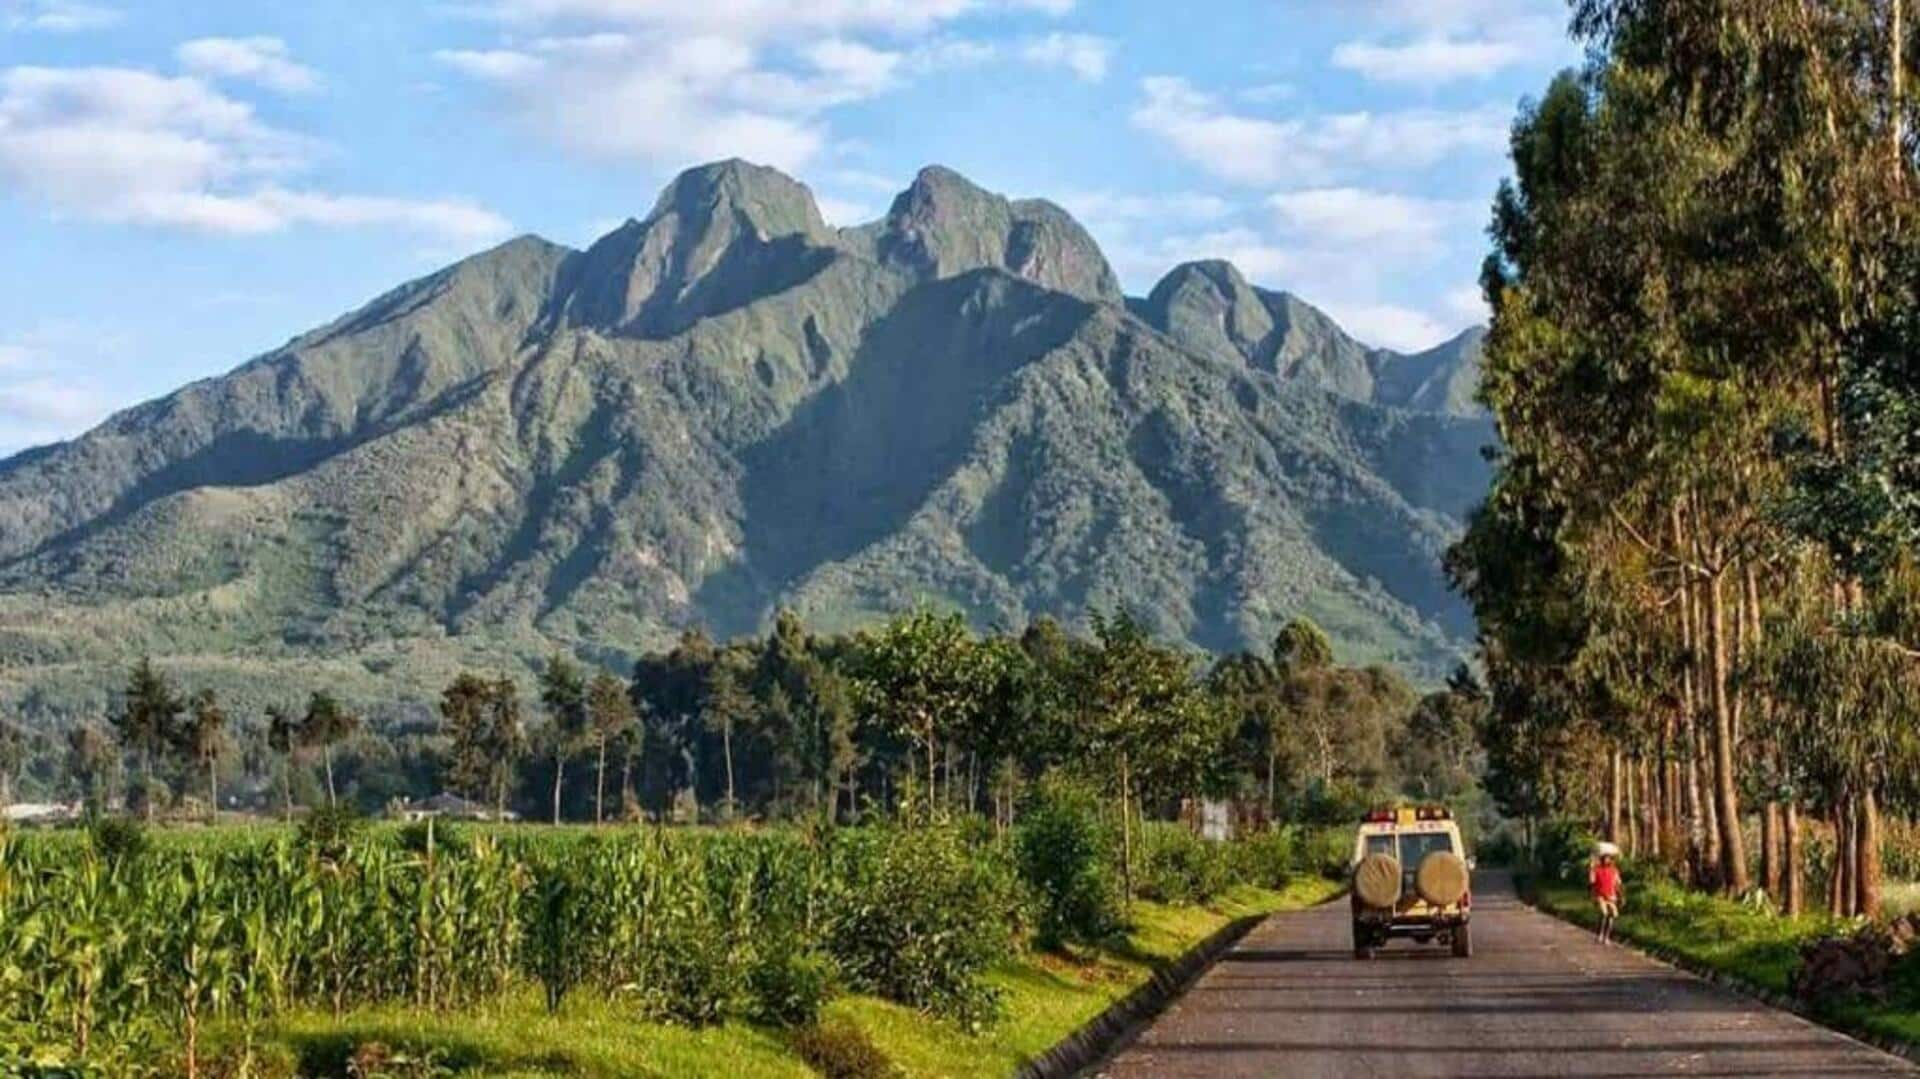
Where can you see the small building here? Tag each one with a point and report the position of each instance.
(41, 813)
(444, 806)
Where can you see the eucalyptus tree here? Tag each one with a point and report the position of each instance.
(327, 723)
(563, 693)
(205, 740)
(283, 737)
(611, 717)
(147, 720)
(921, 675)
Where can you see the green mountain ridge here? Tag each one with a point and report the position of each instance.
(730, 405)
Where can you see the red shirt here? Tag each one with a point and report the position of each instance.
(1606, 882)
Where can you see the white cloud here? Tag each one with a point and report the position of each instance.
(40, 402)
(263, 60)
(1439, 41)
(1268, 93)
(687, 82)
(1114, 206)
(1402, 329)
(56, 16)
(1085, 55)
(1467, 302)
(694, 98)
(1312, 149)
(845, 212)
(1428, 60)
(1379, 220)
(130, 146)
(767, 18)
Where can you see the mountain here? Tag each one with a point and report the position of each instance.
(730, 405)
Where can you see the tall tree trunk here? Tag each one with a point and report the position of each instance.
(726, 751)
(600, 784)
(559, 772)
(1770, 850)
(1733, 858)
(213, 790)
(1866, 880)
(1791, 881)
(326, 754)
(1840, 888)
(286, 787)
(626, 782)
(1126, 830)
(1613, 795)
(1273, 810)
(1632, 775)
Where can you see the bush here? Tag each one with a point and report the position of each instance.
(1268, 859)
(1327, 851)
(1563, 849)
(919, 918)
(116, 839)
(1065, 851)
(788, 985)
(1180, 867)
(448, 840)
(329, 831)
(840, 1050)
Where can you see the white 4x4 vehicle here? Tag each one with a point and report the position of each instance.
(1411, 878)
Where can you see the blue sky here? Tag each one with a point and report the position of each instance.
(185, 185)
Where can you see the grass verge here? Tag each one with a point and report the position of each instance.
(1048, 997)
(1749, 944)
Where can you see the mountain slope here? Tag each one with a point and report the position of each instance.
(729, 405)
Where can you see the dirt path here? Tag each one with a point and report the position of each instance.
(1539, 997)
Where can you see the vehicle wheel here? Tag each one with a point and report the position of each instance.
(1462, 943)
(1362, 942)
(1363, 951)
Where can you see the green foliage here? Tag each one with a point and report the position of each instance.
(920, 917)
(117, 840)
(1066, 845)
(1180, 867)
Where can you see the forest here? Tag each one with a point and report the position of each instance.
(918, 711)
(1696, 577)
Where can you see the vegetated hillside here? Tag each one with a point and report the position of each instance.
(730, 405)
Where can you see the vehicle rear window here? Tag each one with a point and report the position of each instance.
(1416, 846)
(1380, 844)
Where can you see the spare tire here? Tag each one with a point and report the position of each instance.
(1376, 881)
(1441, 878)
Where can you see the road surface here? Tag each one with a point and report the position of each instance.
(1539, 997)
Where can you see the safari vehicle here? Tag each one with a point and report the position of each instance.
(1411, 878)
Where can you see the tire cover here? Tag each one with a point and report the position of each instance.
(1376, 880)
(1441, 878)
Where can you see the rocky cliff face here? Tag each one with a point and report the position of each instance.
(729, 406)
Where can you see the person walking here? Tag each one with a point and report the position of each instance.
(1603, 878)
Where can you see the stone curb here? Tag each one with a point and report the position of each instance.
(1734, 983)
(1107, 1033)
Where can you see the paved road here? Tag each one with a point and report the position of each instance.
(1539, 997)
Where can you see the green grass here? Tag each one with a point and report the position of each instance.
(1048, 996)
(1751, 944)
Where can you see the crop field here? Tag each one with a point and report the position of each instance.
(340, 949)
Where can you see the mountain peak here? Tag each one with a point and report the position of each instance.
(945, 224)
(718, 233)
(770, 201)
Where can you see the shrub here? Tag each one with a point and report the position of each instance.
(1563, 849)
(840, 1050)
(1180, 867)
(1064, 850)
(1327, 851)
(1268, 859)
(919, 917)
(788, 985)
(116, 840)
(329, 831)
(448, 840)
